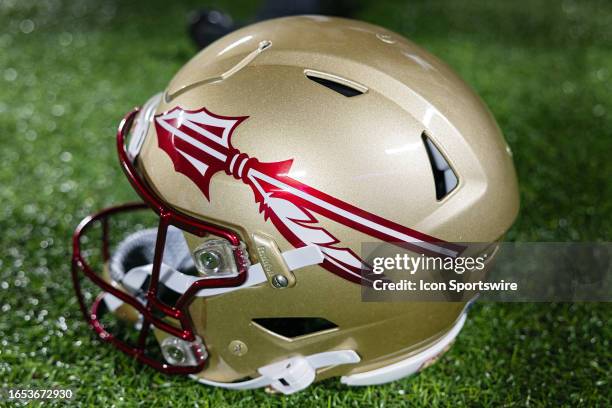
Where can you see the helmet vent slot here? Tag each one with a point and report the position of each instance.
(337, 84)
(292, 327)
(445, 178)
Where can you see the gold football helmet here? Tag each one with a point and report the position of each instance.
(271, 157)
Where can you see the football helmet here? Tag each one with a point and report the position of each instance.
(271, 157)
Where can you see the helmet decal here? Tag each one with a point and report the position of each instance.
(199, 144)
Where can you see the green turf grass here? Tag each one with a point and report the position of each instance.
(545, 70)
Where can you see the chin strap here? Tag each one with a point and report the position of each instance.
(180, 282)
(292, 374)
(286, 376)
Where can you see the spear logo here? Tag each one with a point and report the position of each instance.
(199, 144)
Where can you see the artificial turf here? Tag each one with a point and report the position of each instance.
(70, 70)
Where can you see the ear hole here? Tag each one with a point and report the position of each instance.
(294, 326)
(445, 179)
(337, 84)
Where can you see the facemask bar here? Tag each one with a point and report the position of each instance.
(167, 217)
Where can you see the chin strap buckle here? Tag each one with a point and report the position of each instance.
(290, 375)
(297, 373)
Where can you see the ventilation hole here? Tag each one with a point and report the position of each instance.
(284, 382)
(445, 178)
(335, 86)
(294, 326)
(335, 83)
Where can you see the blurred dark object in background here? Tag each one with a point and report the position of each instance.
(207, 25)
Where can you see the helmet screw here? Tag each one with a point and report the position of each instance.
(210, 260)
(237, 348)
(279, 281)
(174, 354)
